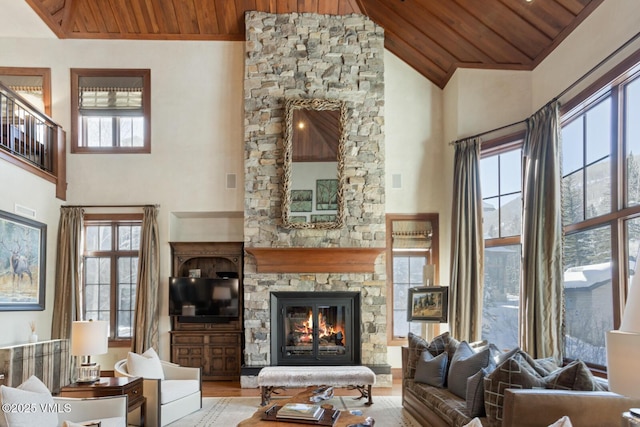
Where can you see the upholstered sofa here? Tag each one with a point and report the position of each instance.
(438, 406)
(172, 391)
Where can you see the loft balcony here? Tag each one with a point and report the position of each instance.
(32, 140)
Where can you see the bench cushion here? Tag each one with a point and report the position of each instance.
(298, 376)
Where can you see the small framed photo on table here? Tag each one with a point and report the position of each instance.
(428, 304)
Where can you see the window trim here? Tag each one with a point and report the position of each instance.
(94, 219)
(76, 117)
(435, 245)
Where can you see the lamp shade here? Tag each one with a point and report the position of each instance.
(623, 347)
(89, 337)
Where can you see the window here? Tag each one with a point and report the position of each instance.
(110, 259)
(111, 111)
(600, 210)
(501, 183)
(33, 84)
(412, 245)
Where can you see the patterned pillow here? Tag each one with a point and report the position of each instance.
(574, 376)
(432, 370)
(465, 363)
(515, 372)
(417, 345)
(439, 344)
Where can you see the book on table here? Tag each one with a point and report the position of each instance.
(300, 411)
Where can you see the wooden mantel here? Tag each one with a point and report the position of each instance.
(315, 260)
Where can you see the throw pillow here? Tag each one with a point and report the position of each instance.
(432, 370)
(474, 423)
(28, 399)
(475, 393)
(417, 345)
(575, 376)
(145, 365)
(512, 373)
(439, 343)
(562, 422)
(464, 364)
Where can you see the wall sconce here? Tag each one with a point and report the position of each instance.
(89, 338)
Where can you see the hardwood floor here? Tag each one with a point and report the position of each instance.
(233, 389)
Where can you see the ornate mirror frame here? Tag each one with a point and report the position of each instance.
(291, 105)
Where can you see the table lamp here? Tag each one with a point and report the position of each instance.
(623, 352)
(89, 337)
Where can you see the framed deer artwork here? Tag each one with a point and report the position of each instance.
(23, 245)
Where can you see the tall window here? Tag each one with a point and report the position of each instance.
(412, 244)
(110, 271)
(111, 111)
(601, 209)
(501, 184)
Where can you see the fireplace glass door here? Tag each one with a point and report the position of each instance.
(316, 329)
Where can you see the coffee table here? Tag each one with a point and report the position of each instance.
(345, 419)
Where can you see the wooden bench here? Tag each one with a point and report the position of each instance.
(360, 378)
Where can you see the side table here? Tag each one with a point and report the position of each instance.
(111, 386)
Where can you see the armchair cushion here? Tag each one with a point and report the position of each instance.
(29, 399)
(145, 365)
(175, 389)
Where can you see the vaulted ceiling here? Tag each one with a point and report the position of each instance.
(435, 37)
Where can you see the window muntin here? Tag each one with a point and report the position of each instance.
(110, 273)
(112, 111)
(501, 185)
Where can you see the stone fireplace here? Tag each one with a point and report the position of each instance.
(329, 57)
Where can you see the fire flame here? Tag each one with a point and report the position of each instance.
(324, 330)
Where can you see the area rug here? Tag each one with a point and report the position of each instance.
(229, 411)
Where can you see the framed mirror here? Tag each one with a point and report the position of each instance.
(314, 151)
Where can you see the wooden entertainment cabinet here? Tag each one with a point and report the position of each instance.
(214, 347)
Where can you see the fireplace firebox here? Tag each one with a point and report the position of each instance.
(311, 328)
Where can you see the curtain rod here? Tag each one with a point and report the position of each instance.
(564, 92)
(110, 206)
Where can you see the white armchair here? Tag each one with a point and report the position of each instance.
(111, 411)
(171, 398)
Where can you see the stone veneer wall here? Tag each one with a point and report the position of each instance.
(313, 56)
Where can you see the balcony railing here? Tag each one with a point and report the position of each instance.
(32, 140)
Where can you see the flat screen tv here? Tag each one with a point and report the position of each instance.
(203, 297)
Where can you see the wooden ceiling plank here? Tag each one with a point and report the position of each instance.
(166, 10)
(151, 17)
(519, 33)
(141, 18)
(548, 17)
(476, 33)
(123, 10)
(186, 17)
(70, 15)
(51, 17)
(348, 7)
(412, 36)
(287, 6)
(101, 10)
(268, 6)
(434, 28)
(227, 17)
(207, 17)
(307, 6)
(328, 7)
(86, 20)
(574, 6)
(414, 58)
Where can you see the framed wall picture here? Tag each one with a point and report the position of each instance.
(326, 194)
(301, 200)
(23, 244)
(428, 304)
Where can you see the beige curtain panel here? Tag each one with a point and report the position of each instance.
(541, 296)
(67, 300)
(467, 244)
(147, 311)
